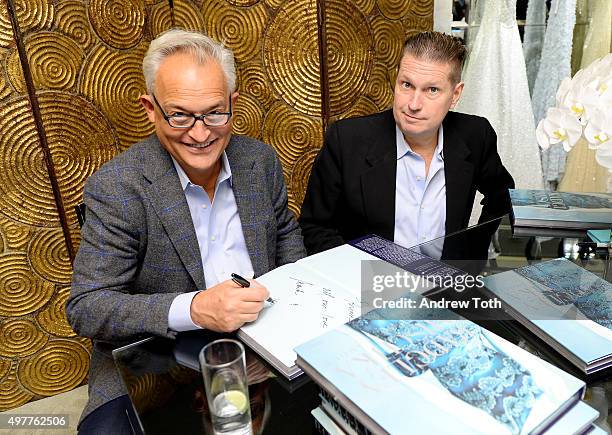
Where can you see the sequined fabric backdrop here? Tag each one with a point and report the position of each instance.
(70, 78)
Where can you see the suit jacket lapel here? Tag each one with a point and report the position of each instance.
(168, 200)
(247, 190)
(378, 182)
(458, 172)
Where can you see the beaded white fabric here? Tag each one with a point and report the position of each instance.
(496, 88)
(555, 65)
(535, 27)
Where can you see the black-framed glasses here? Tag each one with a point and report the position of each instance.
(188, 120)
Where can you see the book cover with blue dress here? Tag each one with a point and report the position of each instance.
(437, 376)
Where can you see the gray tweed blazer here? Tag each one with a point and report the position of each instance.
(139, 248)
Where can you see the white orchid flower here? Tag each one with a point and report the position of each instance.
(559, 126)
(598, 131)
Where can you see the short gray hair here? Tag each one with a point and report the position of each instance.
(200, 46)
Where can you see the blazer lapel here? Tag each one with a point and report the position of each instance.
(458, 172)
(247, 190)
(378, 182)
(168, 201)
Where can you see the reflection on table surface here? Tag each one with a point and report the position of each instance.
(165, 386)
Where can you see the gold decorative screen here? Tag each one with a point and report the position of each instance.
(70, 78)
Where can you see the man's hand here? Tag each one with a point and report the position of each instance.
(227, 306)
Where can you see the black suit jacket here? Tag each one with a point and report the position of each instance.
(351, 191)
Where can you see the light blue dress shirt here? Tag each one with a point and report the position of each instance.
(420, 199)
(220, 237)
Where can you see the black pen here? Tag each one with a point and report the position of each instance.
(245, 283)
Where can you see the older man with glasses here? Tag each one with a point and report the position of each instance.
(169, 220)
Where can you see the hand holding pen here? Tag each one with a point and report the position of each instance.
(243, 282)
(226, 306)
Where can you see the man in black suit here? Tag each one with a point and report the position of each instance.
(408, 174)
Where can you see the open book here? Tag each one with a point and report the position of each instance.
(312, 295)
(323, 291)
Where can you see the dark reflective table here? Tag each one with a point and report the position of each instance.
(166, 389)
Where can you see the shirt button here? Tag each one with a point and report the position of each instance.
(204, 206)
(418, 178)
(423, 238)
(213, 238)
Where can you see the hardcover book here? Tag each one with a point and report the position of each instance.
(399, 374)
(561, 211)
(563, 304)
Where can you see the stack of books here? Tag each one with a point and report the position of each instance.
(559, 214)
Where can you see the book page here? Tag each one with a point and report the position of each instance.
(306, 305)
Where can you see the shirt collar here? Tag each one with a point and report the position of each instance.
(224, 174)
(403, 148)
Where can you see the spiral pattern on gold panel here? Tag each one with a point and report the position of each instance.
(48, 255)
(21, 337)
(55, 60)
(186, 15)
(59, 367)
(5, 367)
(11, 393)
(119, 23)
(291, 133)
(71, 19)
(53, 318)
(274, 3)
(5, 89)
(389, 39)
(379, 88)
(301, 173)
(240, 29)
(81, 140)
(247, 117)
(25, 191)
(75, 236)
(395, 9)
(6, 31)
(365, 6)
(34, 14)
(252, 80)
(364, 106)
(21, 292)
(85, 342)
(413, 24)
(114, 82)
(423, 8)
(14, 72)
(350, 54)
(291, 56)
(243, 3)
(17, 236)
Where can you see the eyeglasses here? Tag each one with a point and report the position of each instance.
(188, 120)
